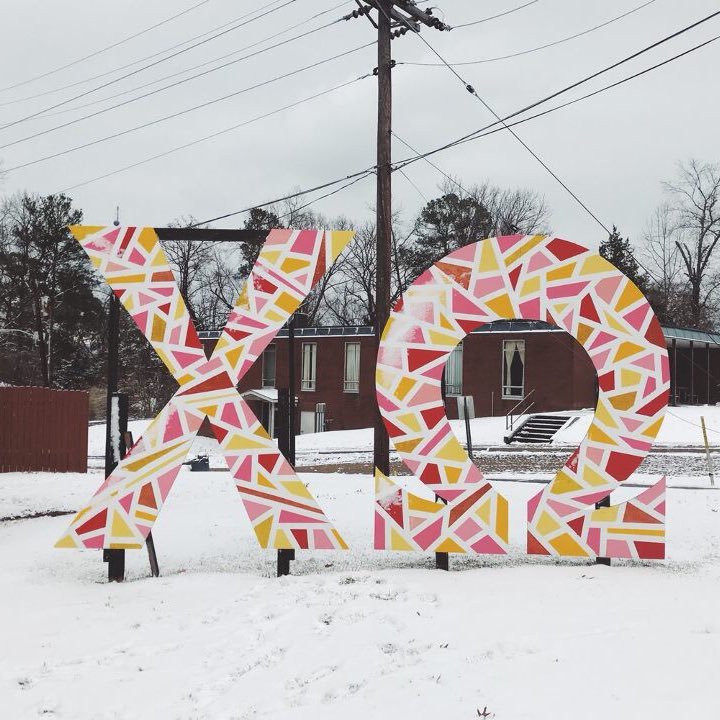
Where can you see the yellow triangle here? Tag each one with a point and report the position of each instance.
(547, 524)
(340, 541)
(407, 446)
(119, 527)
(562, 272)
(606, 514)
(338, 242)
(523, 249)
(262, 531)
(209, 409)
(263, 480)
(452, 474)
(241, 442)
(626, 349)
(567, 547)
(592, 477)
(420, 504)
(148, 238)
(595, 264)
(298, 489)
(437, 338)
(488, 261)
(292, 264)
(66, 542)
(597, 435)
(501, 518)
(80, 232)
(445, 323)
(449, 545)
(563, 483)
(614, 323)
(233, 356)
(282, 541)
(398, 542)
(158, 258)
(583, 333)
(452, 450)
(483, 512)
(654, 429)
(629, 295)
(502, 306)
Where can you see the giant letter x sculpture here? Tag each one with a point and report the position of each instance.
(283, 512)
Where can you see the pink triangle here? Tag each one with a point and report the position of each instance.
(467, 252)
(165, 482)
(530, 310)
(136, 257)
(461, 305)
(600, 359)
(647, 362)
(631, 424)
(427, 537)
(538, 261)
(487, 546)
(602, 339)
(606, 288)
(126, 502)
(505, 242)
(254, 509)
(291, 518)
(321, 540)
(636, 318)
(562, 509)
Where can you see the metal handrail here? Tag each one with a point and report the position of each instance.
(510, 415)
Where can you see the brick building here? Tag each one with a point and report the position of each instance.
(498, 364)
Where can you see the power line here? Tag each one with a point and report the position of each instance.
(488, 129)
(139, 60)
(355, 177)
(539, 47)
(105, 49)
(216, 134)
(204, 64)
(493, 17)
(476, 134)
(488, 107)
(191, 109)
(135, 72)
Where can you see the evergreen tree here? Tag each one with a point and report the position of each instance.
(49, 294)
(619, 252)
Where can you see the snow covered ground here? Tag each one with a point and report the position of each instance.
(355, 634)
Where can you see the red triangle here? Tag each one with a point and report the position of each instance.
(654, 334)
(432, 416)
(147, 496)
(217, 382)
(564, 249)
(577, 525)
(634, 514)
(588, 310)
(607, 381)
(469, 325)
(650, 550)
(514, 275)
(301, 536)
(94, 523)
(534, 547)
(418, 358)
(395, 509)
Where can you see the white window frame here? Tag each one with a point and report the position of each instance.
(351, 385)
(455, 388)
(508, 350)
(265, 378)
(309, 363)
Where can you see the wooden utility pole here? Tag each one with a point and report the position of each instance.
(394, 18)
(383, 208)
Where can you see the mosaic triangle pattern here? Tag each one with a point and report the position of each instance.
(283, 513)
(535, 278)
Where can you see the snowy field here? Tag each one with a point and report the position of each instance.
(355, 634)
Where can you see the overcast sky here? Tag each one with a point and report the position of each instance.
(612, 150)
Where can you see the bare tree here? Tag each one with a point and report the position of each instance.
(694, 216)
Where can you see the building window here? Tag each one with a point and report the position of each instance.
(513, 373)
(268, 367)
(352, 368)
(309, 355)
(454, 371)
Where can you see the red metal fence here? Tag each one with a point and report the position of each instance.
(42, 429)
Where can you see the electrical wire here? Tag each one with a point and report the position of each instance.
(355, 177)
(166, 87)
(105, 49)
(488, 129)
(216, 134)
(493, 17)
(539, 47)
(191, 109)
(139, 60)
(490, 109)
(476, 134)
(139, 70)
(204, 64)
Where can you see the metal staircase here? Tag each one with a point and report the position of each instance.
(538, 429)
